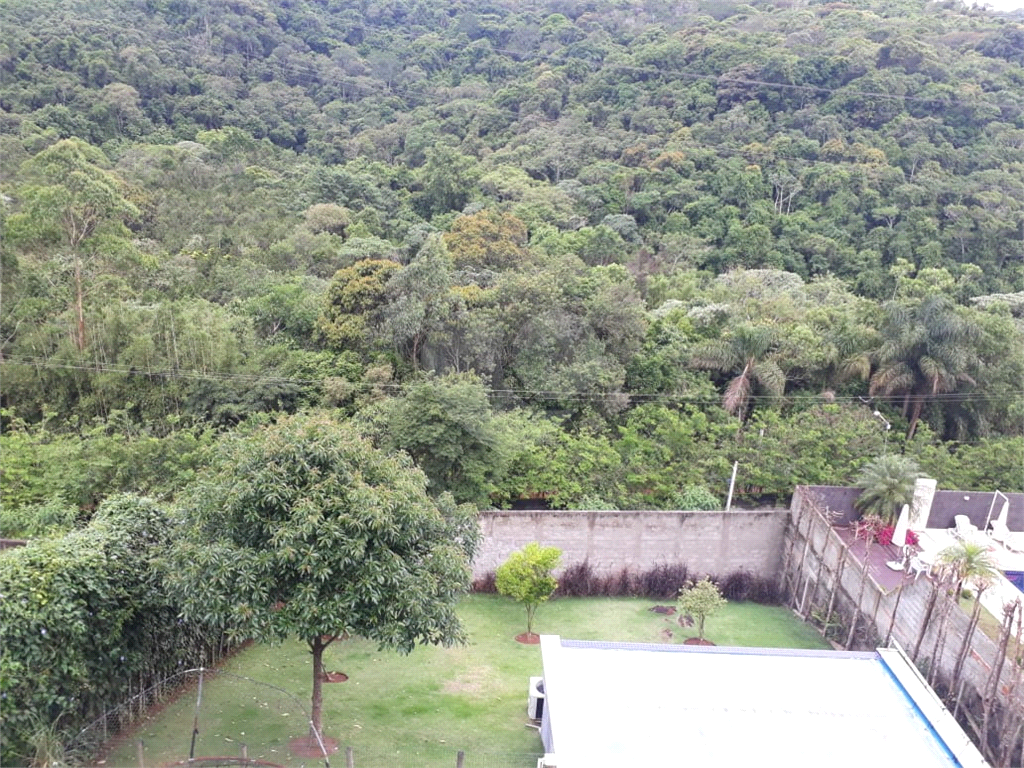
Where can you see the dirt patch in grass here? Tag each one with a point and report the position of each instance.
(308, 746)
(664, 610)
(696, 641)
(475, 681)
(528, 638)
(335, 677)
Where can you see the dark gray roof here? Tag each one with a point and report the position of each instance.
(945, 506)
(976, 506)
(838, 499)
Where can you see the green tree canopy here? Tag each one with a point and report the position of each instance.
(526, 577)
(744, 353)
(73, 202)
(302, 528)
(700, 599)
(446, 425)
(927, 351)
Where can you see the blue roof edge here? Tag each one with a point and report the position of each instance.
(906, 674)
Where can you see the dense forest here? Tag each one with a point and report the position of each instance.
(583, 253)
(403, 260)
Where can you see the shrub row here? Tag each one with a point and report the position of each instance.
(662, 582)
(84, 619)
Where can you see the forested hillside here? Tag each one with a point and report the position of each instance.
(585, 252)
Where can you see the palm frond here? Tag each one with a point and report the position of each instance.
(856, 366)
(769, 375)
(887, 482)
(968, 560)
(716, 355)
(736, 396)
(891, 380)
(753, 341)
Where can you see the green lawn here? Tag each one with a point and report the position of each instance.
(421, 708)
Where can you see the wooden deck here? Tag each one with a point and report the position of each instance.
(877, 557)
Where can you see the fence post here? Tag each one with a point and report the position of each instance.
(104, 723)
(139, 753)
(460, 759)
(836, 585)
(805, 610)
(803, 557)
(793, 528)
(892, 619)
(350, 758)
(245, 752)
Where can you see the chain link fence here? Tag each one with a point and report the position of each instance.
(127, 735)
(432, 757)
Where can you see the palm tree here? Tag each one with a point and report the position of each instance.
(746, 353)
(964, 561)
(844, 348)
(888, 483)
(927, 351)
(967, 561)
(981, 583)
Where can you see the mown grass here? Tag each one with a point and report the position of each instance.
(991, 627)
(420, 709)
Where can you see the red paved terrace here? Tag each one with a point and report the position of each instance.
(879, 555)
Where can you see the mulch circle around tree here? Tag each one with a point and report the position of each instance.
(308, 746)
(335, 677)
(696, 641)
(528, 638)
(664, 610)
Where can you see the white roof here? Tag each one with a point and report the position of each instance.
(614, 704)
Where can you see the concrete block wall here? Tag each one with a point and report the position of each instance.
(706, 542)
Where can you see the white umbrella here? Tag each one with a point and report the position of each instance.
(899, 536)
(1003, 512)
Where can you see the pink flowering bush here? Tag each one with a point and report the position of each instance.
(874, 528)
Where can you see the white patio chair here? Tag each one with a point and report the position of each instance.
(1012, 541)
(965, 529)
(919, 565)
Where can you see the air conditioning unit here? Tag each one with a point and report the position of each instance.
(535, 706)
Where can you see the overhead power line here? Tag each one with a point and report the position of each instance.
(509, 393)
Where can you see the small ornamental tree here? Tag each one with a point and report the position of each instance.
(526, 577)
(700, 599)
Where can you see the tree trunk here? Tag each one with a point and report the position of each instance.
(80, 341)
(317, 646)
(892, 619)
(961, 657)
(914, 416)
(835, 588)
(927, 619)
(948, 606)
(860, 594)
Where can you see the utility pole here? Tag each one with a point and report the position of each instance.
(732, 484)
